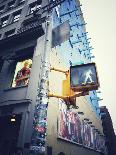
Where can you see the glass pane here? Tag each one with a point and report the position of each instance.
(22, 73)
(32, 9)
(16, 18)
(4, 23)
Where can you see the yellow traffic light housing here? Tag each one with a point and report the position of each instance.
(67, 93)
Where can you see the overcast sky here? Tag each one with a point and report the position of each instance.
(100, 16)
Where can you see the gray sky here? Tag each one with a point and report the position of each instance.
(100, 16)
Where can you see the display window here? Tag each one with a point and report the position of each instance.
(22, 73)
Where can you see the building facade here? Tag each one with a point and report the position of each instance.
(31, 121)
(108, 130)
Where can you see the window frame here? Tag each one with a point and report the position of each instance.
(11, 5)
(33, 6)
(14, 72)
(4, 21)
(21, 2)
(32, 9)
(16, 16)
(6, 33)
(2, 9)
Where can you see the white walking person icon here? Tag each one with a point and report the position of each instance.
(88, 75)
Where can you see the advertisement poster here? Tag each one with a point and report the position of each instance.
(102, 144)
(69, 125)
(22, 73)
(87, 136)
(72, 129)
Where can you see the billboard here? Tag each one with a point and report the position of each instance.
(86, 134)
(84, 77)
(69, 125)
(72, 129)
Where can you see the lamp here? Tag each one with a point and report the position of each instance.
(13, 118)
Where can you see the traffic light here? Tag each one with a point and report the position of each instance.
(84, 77)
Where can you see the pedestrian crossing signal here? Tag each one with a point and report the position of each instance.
(84, 77)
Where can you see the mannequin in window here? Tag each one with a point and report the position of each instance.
(22, 77)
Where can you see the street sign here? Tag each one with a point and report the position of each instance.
(60, 33)
(84, 77)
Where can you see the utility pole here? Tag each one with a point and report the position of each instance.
(38, 140)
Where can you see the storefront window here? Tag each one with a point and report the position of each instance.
(22, 73)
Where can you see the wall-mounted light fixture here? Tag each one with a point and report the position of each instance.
(13, 118)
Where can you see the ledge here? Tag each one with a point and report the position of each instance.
(12, 102)
(13, 88)
(21, 38)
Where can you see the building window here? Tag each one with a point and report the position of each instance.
(22, 73)
(1, 9)
(21, 2)
(9, 33)
(11, 5)
(33, 7)
(16, 16)
(4, 21)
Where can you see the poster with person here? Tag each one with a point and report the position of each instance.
(72, 129)
(86, 130)
(69, 124)
(102, 143)
(22, 73)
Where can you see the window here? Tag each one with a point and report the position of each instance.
(22, 73)
(21, 2)
(16, 16)
(4, 21)
(11, 5)
(33, 7)
(1, 9)
(9, 33)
